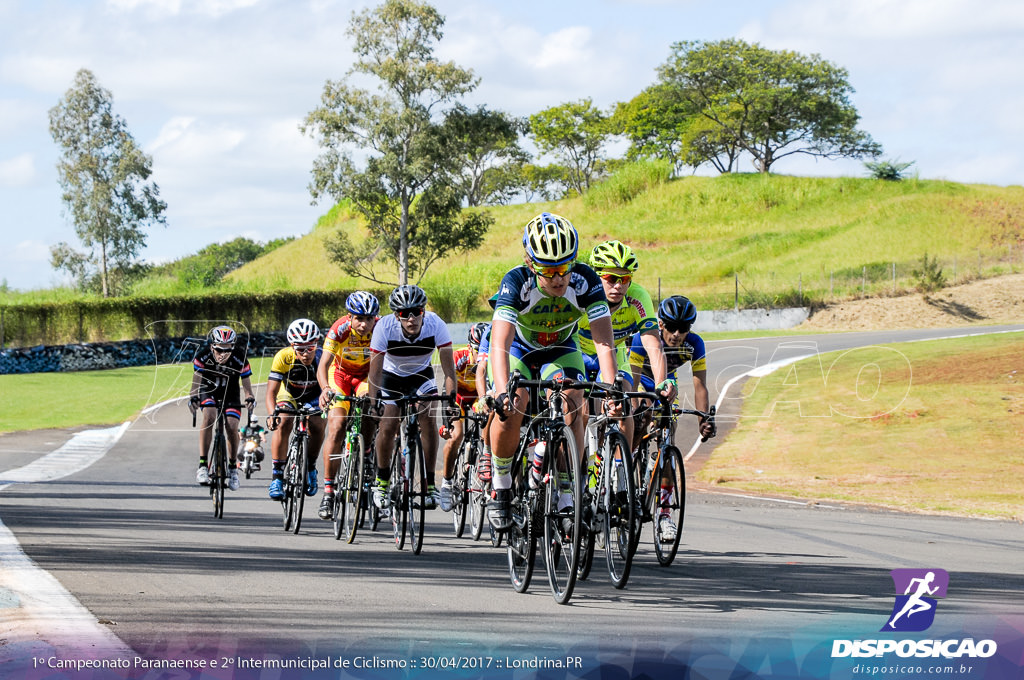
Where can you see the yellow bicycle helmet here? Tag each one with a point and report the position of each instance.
(613, 255)
(550, 240)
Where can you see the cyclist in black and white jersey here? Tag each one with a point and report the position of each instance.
(401, 349)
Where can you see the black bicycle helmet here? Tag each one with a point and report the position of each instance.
(677, 310)
(477, 332)
(407, 296)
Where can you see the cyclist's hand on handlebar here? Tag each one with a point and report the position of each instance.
(482, 405)
(250, 402)
(326, 397)
(503, 405)
(193, 404)
(273, 421)
(708, 429)
(667, 390)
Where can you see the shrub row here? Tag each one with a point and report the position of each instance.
(97, 321)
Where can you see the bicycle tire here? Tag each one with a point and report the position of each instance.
(619, 494)
(643, 496)
(562, 540)
(460, 487)
(218, 480)
(671, 467)
(339, 502)
(299, 487)
(417, 485)
(398, 496)
(521, 537)
(354, 489)
(586, 556)
(477, 503)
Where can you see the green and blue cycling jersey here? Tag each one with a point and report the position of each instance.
(545, 325)
(635, 314)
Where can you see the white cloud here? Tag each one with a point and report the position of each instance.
(18, 171)
(213, 8)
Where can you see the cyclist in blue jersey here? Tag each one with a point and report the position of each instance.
(535, 316)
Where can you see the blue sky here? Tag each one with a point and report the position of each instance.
(214, 90)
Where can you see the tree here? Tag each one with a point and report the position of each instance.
(889, 170)
(771, 104)
(403, 189)
(104, 177)
(485, 140)
(575, 132)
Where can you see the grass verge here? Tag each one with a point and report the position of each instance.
(923, 427)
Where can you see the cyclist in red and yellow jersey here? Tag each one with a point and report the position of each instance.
(343, 371)
(466, 394)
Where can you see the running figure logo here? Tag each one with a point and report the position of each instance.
(914, 610)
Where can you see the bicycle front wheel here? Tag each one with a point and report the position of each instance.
(417, 485)
(298, 489)
(563, 526)
(219, 478)
(521, 538)
(399, 497)
(354, 489)
(339, 502)
(460, 486)
(670, 505)
(619, 494)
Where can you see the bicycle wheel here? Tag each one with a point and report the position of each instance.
(641, 511)
(460, 486)
(398, 496)
(354, 489)
(619, 495)
(521, 538)
(417, 485)
(299, 485)
(563, 526)
(219, 478)
(339, 502)
(586, 555)
(671, 504)
(477, 503)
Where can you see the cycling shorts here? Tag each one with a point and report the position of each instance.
(466, 400)
(593, 369)
(394, 386)
(231, 409)
(286, 402)
(349, 385)
(544, 364)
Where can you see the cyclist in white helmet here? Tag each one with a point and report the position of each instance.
(292, 384)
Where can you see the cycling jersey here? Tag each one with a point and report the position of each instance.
(351, 349)
(691, 350)
(219, 382)
(542, 321)
(635, 314)
(465, 371)
(298, 381)
(405, 356)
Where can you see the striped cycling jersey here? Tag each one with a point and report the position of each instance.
(297, 378)
(690, 351)
(542, 321)
(351, 349)
(405, 356)
(465, 370)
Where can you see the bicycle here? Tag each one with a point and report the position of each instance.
(468, 497)
(407, 492)
(660, 476)
(609, 499)
(296, 466)
(355, 475)
(217, 461)
(546, 489)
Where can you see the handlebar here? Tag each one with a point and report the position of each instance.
(670, 409)
(557, 385)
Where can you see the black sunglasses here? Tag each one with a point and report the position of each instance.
(677, 328)
(409, 313)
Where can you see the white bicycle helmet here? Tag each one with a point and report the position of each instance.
(303, 332)
(222, 335)
(550, 240)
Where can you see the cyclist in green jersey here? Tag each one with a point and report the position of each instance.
(632, 313)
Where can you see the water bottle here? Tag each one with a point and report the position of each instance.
(538, 464)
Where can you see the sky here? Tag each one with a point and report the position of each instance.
(214, 91)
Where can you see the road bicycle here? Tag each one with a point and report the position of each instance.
(408, 488)
(356, 474)
(660, 475)
(610, 517)
(217, 461)
(469, 497)
(296, 467)
(547, 496)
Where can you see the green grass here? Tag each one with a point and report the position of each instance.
(36, 401)
(928, 427)
(779, 234)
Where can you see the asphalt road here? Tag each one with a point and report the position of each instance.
(134, 540)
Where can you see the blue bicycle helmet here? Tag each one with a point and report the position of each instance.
(362, 303)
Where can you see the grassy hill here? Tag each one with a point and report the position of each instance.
(783, 237)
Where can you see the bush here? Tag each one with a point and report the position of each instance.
(626, 184)
(929, 276)
(890, 171)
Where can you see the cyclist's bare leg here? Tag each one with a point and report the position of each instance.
(231, 429)
(504, 441)
(279, 443)
(337, 419)
(428, 437)
(451, 450)
(387, 430)
(575, 416)
(317, 427)
(206, 431)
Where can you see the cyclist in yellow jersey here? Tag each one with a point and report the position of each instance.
(291, 385)
(632, 313)
(343, 370)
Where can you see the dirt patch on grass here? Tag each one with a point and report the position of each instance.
(989, 301)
